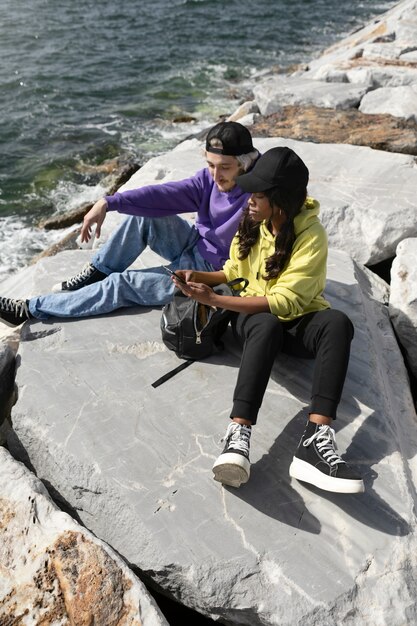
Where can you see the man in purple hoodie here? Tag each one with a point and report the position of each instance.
(106, 284)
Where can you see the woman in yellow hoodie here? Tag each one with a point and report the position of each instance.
(281, 248)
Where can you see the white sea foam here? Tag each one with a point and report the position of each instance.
(20, 242)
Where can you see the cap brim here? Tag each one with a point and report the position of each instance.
(251, 183)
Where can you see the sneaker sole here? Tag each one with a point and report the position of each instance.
(10, 324)
(57, 288)
(307, 473)
(231, 469)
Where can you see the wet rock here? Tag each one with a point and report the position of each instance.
(75, 216)
(69, 218)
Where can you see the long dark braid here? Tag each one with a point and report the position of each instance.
(291, 203)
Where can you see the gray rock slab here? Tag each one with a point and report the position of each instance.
(397, 101)
(54, 571)
(133, 463)
(403, 298)
(276, 92)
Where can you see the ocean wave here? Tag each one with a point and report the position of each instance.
(20, 242)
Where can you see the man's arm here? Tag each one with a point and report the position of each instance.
(173, 197)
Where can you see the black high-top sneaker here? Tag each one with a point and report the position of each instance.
(317, 462)
(233, 466)
(14, 312)
(87, 276)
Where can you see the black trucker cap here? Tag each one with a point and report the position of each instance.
(278, 167)
(235, 138)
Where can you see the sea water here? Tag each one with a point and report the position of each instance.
(82, 83)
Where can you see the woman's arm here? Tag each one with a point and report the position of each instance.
(208, 278)
(203, 293)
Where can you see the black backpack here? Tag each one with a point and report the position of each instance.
(193, 330)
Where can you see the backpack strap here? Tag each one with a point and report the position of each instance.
(238, 281)
(172, 373)
(183, 366)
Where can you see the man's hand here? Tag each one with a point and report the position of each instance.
(96, 215)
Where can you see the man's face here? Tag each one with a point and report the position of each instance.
(224, 170)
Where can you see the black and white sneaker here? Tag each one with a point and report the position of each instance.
(88, 275)
(317, 462)
(14, 312)
(233, 466)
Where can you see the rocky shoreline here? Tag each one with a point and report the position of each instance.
(87, 423)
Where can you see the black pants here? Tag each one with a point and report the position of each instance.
(323, 335)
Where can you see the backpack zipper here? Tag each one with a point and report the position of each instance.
(199, 332)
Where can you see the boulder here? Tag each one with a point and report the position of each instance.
(278, 91)
(54, 571)
(403, 299)
(397, 101)
(381, 132)
(133, 464)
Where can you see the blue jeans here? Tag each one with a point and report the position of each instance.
(171, 237)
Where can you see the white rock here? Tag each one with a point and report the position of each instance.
(403, 298)
(382, 51)
(274, 93)
(397, 101)
(382, 76)
(55, 571)
(398, 25)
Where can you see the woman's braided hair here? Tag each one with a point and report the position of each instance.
(289, 201)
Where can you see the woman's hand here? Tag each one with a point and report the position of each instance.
(198, 291)
(96, 215)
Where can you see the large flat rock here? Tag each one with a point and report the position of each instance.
(134, 465)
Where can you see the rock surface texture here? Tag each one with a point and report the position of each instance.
(53, 571)
(134, 465)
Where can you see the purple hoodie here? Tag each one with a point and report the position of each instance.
(218, 212)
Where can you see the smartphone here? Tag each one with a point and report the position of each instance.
(174, 274)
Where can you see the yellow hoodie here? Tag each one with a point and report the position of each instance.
(299, 287)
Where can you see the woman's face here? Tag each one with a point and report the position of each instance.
(259, 207)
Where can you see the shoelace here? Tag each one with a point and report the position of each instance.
(86, 271)
(239, 436)
(18, 307)
(326, 444)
